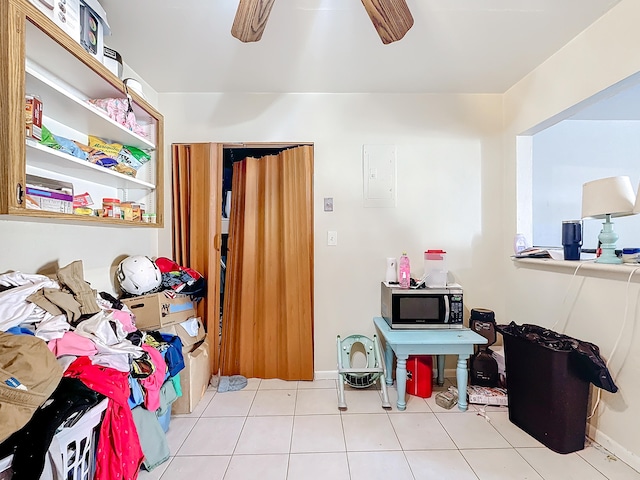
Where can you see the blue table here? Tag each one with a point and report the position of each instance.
(440, 342)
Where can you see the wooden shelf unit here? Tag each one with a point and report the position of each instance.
(40, 58)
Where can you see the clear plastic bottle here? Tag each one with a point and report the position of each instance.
(404, 274)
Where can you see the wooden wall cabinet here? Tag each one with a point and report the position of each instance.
(39, 58)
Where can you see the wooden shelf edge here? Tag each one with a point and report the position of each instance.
(30, 215)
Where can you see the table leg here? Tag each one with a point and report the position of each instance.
(401, 380)
(462, 376)
(388, 360)
(440, 360)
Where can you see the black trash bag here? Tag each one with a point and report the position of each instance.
(586, 354)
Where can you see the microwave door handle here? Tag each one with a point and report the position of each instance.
(446, 309)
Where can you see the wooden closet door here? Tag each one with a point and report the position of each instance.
(197, 211)
(268, 308)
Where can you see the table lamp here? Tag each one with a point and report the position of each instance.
(603, 199)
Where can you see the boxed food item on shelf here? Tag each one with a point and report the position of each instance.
(33, 116)
(157, 310)
(131, 211)
(82, 204)
(49, 195)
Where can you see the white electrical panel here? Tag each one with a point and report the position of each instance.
(379, 175)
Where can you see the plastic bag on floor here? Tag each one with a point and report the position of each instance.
(587, 355)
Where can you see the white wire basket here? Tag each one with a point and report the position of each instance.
(76, 445)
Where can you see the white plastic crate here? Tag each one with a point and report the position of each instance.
(76, 445)
(5, 468)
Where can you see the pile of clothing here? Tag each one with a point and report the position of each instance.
(63, 349)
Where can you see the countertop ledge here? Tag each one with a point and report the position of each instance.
(587, 268)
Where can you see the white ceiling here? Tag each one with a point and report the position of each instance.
(455, 46)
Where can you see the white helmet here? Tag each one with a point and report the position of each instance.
(138, 274)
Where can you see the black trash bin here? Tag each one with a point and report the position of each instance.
(548, 376)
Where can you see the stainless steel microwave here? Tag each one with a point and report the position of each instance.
(422, 307)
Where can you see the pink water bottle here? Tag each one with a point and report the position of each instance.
(404, 273)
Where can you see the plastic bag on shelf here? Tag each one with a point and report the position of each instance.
(120, 110)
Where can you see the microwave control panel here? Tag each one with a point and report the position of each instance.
(456, 312)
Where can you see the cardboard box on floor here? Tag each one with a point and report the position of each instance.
(194, 379)
(156, 311)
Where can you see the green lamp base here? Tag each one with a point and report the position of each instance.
(608, 239)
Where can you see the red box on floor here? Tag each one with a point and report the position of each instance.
(420, 375)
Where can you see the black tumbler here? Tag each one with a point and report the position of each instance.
(572, 239)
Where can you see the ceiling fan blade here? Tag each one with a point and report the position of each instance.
(391, 18)
(250, 20)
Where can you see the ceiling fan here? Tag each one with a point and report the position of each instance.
(391, 19)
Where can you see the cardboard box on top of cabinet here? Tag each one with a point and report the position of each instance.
(194, 379)
(65, 14)
(83, 20)
(155, 311)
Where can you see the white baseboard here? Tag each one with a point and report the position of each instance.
(326, 375)
(614, 447)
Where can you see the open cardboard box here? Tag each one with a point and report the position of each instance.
(184, 330)
(194, 379)
(156, 311)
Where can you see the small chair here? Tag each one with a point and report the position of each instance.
(361, 377)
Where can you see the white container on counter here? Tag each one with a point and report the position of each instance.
(435, 268)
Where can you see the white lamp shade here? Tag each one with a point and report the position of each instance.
(636, 209)
(608, 196)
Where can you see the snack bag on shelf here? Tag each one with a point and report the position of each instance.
(128, 158)
(61, 143)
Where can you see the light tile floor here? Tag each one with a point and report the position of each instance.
(278, 430)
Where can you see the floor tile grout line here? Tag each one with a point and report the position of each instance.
(186, 436)
(599, 448)
(344, 439)
(468, 464)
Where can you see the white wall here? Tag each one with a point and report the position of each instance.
(29, 246)
(449, 188)
(603, 55)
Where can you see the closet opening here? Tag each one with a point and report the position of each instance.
(232, 154)
(267, 252)
(259, 307)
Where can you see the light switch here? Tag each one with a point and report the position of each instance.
(332, 238)
(328, 204)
